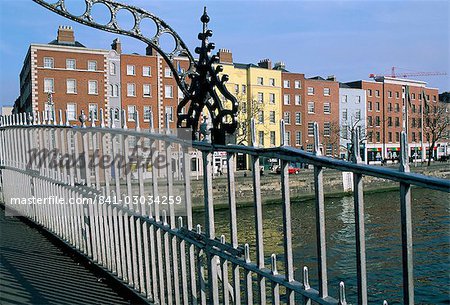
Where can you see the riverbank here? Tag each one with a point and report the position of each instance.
(301, 186)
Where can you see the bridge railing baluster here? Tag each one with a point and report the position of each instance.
(145, 248)
(320, 219)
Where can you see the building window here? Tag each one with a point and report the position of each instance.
(413, 96)
(397, 94)
(49, 85)
(131, 70)
(131, 90)
(167, 72)
(71, 64)
(49, 62)
(389, 94)
(298, 138)
(297, 84)
(377, 121)
(414, 108)
(397, 107)
(397, 137)
(310, 107)
(298, 100)
(413, 122)
(298, 118)
(310, 90)
(369, 92)
(287, 99)
(369, 121)
(114, 90)
(389, 121)
(261, 117)
(244, 89)
(272, 117)
(369, 106)
(358, 114)
(344, 98)
(377, 136)
(389, 107)
(344, 132)
(71, 85)
(260, 81)
(370, 136)
(147, 90)
(71, 111)
(397, 122)
(310, 129)
(309, 147)
(92, 65)
(93, 110)
(420, 97)
(326, 91)
(260, 97)
(286, 83)
(147, 113)
(272, 98)
(168, 91)
(112, 69)
(344, 114)
(272, 138)
(358, 100)
(236, 88)
(377, 106)
(326, 129)
(326, 108)
(92, 87)
(287, 118)
(377, 93)
(414, 137)
(434, 98)
(287, 138)
(244, 106)
(272, 82)
(261, 138)
(131, 113)
(146, 71)
(169, 113)
(329, 150)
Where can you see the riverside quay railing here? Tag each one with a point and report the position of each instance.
(155, 248)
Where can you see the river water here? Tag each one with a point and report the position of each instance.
(431, 237)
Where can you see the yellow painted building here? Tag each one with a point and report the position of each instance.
(258, 90)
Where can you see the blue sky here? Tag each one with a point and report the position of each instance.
(349, 39)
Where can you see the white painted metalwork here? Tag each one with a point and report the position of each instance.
(155, 251)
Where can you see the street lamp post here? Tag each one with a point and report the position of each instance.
(51, 104)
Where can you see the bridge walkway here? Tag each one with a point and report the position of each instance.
(36, 270)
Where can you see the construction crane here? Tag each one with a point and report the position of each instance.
(395, 74)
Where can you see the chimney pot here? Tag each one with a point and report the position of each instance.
(117, 46)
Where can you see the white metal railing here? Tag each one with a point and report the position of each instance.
(156, 249)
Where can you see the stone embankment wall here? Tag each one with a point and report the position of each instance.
(301, 185)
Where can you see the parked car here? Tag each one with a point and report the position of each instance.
(291, 170)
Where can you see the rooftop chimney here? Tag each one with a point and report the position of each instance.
(265, 63)
(331, 78)
(225, 56)
(117, 46)
(65, 35)
(280, 66)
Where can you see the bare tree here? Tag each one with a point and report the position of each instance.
(346, 132)
(248, 109)
(435, 123)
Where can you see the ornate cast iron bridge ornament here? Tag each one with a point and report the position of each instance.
(201, 92)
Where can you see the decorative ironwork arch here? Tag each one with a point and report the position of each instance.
(201, 93)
